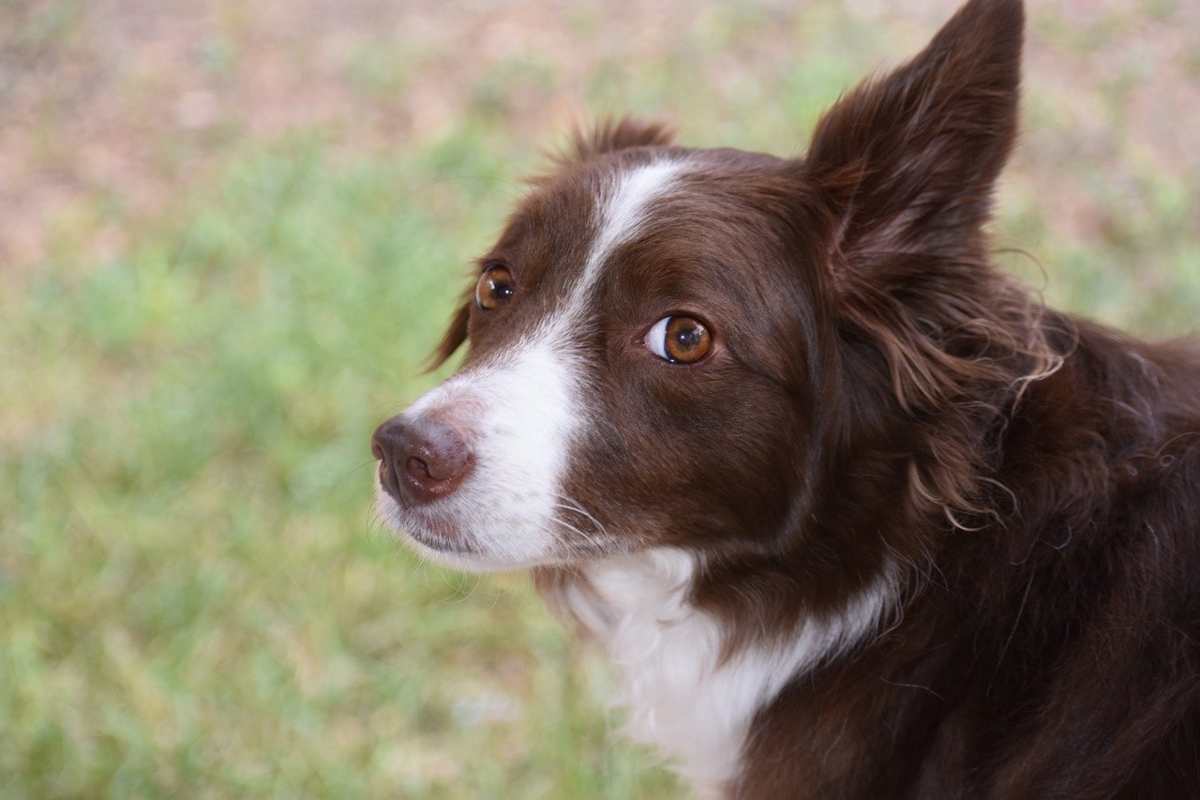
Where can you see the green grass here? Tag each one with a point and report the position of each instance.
(194, 600)
(193, 596)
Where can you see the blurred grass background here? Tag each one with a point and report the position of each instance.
(229, 233)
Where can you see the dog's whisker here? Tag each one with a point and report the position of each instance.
(596, 543)
(596, 525)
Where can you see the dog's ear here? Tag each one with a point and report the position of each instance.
(903, 169)
(453, 338)
(907, 161)
(611, 135)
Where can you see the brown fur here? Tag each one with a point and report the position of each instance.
(880, 392)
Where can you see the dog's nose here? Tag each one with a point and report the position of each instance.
(421, 460)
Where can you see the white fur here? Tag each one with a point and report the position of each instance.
(678, 695)
(622, 207)
(519, 414)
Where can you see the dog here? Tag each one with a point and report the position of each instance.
(853, 514)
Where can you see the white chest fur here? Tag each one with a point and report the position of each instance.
(678, 694)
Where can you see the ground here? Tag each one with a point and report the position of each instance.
(229, 234)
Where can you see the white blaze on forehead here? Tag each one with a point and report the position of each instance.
(622, 207)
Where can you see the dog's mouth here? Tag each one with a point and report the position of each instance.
(440, 537)
(429, 531)
(440, 540)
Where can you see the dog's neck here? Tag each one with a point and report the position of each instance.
(683, 690)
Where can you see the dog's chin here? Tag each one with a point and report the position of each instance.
(461, 560)
(440, 543)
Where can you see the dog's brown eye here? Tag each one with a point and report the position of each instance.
(679, 340)
(495, 287)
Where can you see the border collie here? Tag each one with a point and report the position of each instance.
(852, 513)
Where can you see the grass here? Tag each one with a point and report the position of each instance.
(193, 599)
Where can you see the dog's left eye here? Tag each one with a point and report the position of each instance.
(495, 287)
(679, 340)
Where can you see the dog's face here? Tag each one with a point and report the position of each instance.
(625, 384)
(660, 338)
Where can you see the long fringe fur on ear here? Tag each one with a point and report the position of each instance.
(962, 343)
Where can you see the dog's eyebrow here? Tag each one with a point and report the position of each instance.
(621, 205)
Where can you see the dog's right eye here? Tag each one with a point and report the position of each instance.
(679, 340)
(495, 287)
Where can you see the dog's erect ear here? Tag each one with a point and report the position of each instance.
(611, 135)
(452, 339)
(907, 161)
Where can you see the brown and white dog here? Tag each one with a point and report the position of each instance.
(853, 514)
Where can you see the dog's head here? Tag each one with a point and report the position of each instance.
(670, 346)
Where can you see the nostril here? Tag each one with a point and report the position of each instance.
(419, 469)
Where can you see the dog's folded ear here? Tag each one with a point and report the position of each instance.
(907, 161)
(452, 339)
